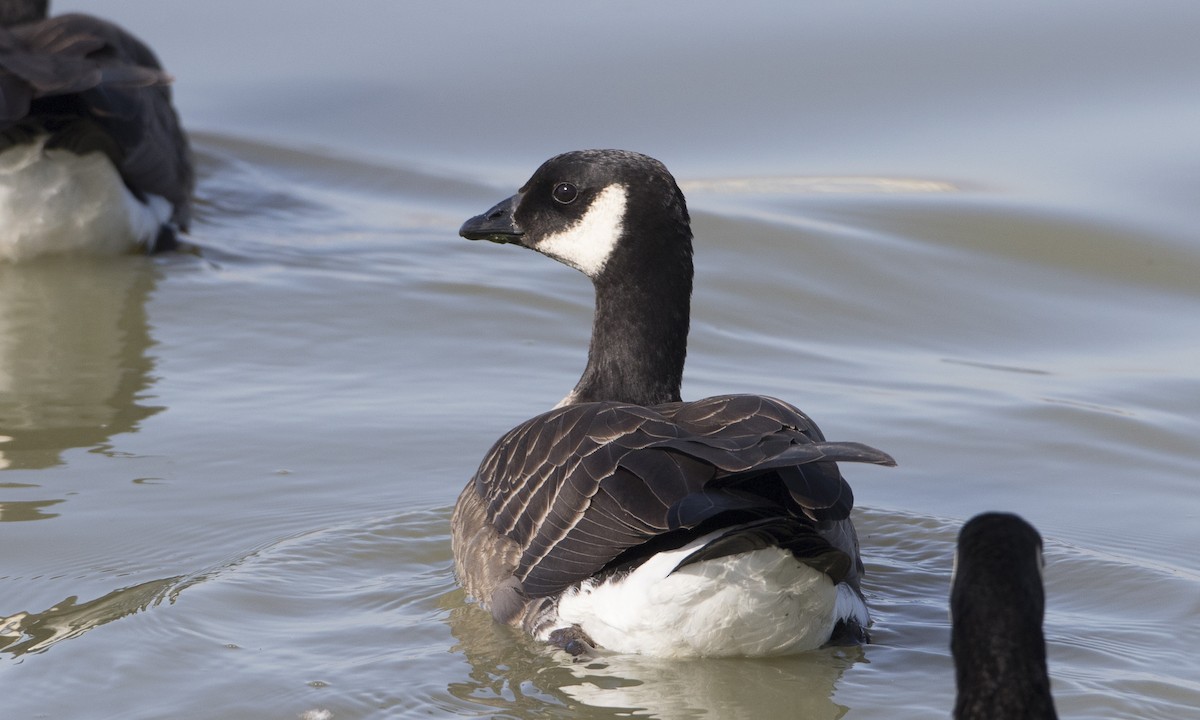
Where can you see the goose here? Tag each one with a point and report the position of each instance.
(625, 519)
(996, 608)
(92, 155)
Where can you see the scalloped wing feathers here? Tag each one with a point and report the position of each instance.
(574, 488)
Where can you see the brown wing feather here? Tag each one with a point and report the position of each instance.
(578, 486)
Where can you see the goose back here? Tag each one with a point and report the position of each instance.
(594, 488)
(93, 87)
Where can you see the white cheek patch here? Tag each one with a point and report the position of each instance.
(587, 244)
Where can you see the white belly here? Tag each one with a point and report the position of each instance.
(758, 603)
(54, 201)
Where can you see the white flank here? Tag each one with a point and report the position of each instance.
(759, 603)
(587, 244)
(54, 201)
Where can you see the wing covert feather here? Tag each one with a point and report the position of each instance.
(577, 486)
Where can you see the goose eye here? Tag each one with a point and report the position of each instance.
(565, 193)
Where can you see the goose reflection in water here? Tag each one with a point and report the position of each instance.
(73, 357)
(25, 632)
(519, 676)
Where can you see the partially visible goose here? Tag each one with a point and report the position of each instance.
(627, 519)
(92, 157)
(996, 608)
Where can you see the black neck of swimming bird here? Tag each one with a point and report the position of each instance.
(640, 325)
(1000, 656)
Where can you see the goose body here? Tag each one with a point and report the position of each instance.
(996, 606)
(92, 155)
(625, 518)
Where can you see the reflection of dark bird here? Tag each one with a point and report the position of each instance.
(996, 608)
(628, 519)
(92, 157)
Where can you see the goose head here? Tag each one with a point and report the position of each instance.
(594, 210)
(619, 218)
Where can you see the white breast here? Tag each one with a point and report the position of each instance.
(758, 603)
(54, 201)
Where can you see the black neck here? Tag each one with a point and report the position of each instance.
(639, 330)
(1001, 663)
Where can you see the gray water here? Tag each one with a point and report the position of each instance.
(964, 234)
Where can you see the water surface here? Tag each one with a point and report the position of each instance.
(965, 236)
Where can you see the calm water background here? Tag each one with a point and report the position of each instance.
(967, 235)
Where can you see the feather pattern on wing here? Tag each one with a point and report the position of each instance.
(576, 488)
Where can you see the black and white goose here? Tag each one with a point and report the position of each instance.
(627, 519)
(996, 607)
(92, 156)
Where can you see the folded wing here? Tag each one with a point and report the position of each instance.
(589, 487)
